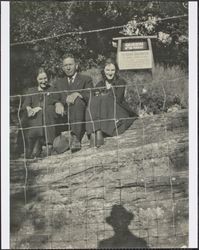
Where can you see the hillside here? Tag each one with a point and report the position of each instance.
(67, 198)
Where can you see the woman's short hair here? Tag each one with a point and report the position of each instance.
(107, 62)
(40, 71)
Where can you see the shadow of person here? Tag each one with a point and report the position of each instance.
(120, 219)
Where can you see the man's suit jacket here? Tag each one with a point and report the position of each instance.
(80, 84)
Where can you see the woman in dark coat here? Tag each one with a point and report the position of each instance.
(108, 114)
(39, 109)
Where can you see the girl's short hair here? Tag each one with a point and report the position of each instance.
(40, 71)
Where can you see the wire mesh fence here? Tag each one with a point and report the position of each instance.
(131, 192)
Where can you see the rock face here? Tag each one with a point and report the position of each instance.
(63, 201)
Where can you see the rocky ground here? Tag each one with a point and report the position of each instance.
(62, 201)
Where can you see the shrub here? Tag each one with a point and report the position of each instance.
(167, 87)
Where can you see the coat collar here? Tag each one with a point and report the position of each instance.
(72, 78)
(115, 82)
(75, 82)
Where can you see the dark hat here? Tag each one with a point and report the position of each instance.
(61, 144)
(118, 214)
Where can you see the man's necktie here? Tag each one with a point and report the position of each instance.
(70, 81)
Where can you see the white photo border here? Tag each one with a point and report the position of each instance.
(5, 111)
(193, 126)
(5, 135)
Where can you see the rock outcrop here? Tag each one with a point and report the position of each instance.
(62, 201)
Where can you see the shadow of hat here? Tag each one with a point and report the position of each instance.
(119, 214)
(61, 144)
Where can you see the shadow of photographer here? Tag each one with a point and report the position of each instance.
(120, 219)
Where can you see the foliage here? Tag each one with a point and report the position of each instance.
(32, 20)
(168, 87)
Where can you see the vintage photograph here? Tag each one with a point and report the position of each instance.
(99, 133)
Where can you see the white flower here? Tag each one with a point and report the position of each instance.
(137, 31)
(144, 90)
(160, 35)
(164, 38)
(182, 39)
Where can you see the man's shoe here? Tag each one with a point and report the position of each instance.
(100, 138)
(75, 144)
(29, 149)
(37, 148)
(47, 150)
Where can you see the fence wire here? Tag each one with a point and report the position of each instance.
(90, 31)
(102, 231)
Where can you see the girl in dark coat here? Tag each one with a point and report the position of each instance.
(39, 110)
(108, 114)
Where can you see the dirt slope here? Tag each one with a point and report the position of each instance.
(62, 201)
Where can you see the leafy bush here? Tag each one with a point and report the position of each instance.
(167, 87)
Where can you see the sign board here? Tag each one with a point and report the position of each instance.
(134, 52)
(137, 45)
(135, 60)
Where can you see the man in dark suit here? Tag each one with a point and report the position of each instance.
(73, 100)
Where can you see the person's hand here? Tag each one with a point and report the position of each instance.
(72, 97)
(59, 108)
(32, 111)
(36, 109)
(97, 93)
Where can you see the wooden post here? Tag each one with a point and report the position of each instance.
(151, 49)
(119, 47)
